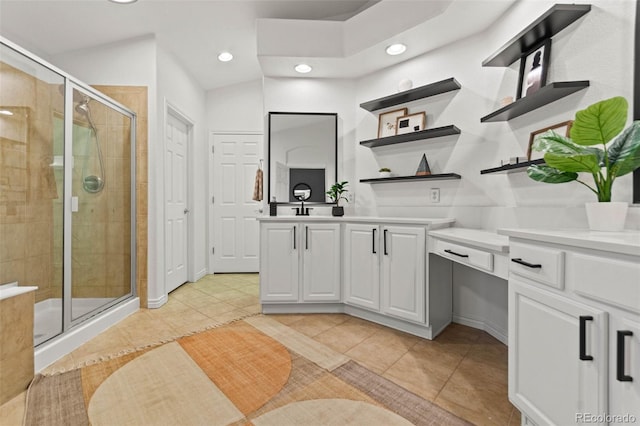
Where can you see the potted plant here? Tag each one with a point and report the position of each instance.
(335, 194)
(385, 172)
(565, 157)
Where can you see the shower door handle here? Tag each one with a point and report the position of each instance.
(186, 211)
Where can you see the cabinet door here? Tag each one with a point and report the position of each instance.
(320, 245)
(403, 272)
(624, 381)
(362, 266)
(279, 250)
(551, 338)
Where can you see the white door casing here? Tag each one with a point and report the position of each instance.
(234, 234)
(176, 203)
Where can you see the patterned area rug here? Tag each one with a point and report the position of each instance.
(256, 371)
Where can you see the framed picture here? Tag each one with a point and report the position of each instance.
(411, 123)
(387, 122)
(563, 129)
(533, 69)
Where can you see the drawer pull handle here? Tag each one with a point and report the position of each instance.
(519, 261)
(384, 234)
(620, 362)
(583, 338)
(294, 237)
(455, 254)
(373, 240)
(306, 238)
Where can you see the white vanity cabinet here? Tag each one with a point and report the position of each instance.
(362, 265)
(402, 278)
(279, 262)
(385, 269)
(574, 326)
(300, 262)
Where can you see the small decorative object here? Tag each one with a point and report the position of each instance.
(423, 168)
(562, 129)
(411, 123)
(565, 157)
(507, 100)
(404, 84)
(385, 172)
(273, 207)
(387, 122)
(533, 69)
(335, 194)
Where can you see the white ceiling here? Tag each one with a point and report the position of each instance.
(356, 31)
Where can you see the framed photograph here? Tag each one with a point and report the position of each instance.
(563, 129)
(387, 122)
(411, 123)
(533, 69)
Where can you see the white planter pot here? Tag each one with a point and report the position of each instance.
(385, 174)
(606, 216)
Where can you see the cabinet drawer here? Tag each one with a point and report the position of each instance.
(542, 264)
(609, 280)
(465, 255)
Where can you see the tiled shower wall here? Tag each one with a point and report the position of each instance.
(27, 181)
(136, 99)
(31, 192)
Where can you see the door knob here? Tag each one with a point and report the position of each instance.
(186, 211)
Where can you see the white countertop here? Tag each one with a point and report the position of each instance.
(624, 242)
(474, 237)
(365, 219)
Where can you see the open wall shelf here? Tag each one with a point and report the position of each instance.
(442, 176)
(414, 136)
(421, 92)
(547, 94)
(546, 26)
(511, 168)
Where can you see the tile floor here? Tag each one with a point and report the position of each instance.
(463, 370)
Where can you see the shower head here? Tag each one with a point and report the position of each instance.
(83, 106)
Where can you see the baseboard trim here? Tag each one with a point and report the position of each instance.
(499, 334)
(157, 303)
(200, 274)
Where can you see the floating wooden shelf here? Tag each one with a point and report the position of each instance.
(421, 92)
(442, 176)
(546, 26)
(547, 94)
(414, 136)
(511, 168)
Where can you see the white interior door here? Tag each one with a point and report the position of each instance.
(236, 234)
(177, 213)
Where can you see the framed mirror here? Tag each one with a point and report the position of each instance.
(303, 156)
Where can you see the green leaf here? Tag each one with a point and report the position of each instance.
(624, 152)
(548, 174)
(600, 122)
(561, 153)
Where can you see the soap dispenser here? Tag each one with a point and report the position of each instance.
(273, 207)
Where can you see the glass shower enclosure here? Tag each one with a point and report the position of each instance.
(67, 191)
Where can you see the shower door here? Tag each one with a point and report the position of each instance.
(101, 186)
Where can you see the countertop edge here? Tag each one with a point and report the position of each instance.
(624, 242)
(363, 219)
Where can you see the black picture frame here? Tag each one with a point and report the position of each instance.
(540, 54)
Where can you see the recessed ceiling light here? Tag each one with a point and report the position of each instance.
(302, 68)
(5, 112)
(123, 1)
(396, 49)
(225, 57)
